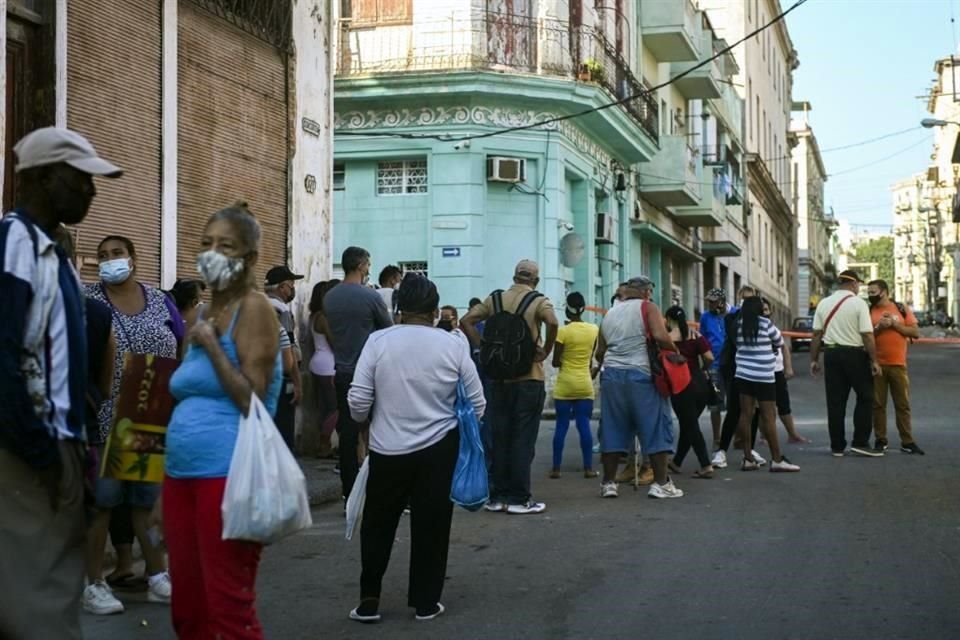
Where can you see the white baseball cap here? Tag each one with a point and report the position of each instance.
(53, 145)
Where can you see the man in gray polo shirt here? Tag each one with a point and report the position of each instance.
(353, 311)
(842, 327)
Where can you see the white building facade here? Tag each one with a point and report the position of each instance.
(765, 82)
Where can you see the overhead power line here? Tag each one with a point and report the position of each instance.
(578, 114)
(854, 144)
(883, 159)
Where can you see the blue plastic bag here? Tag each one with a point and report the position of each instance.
(470, 488)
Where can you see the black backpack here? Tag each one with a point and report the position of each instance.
(507, 348)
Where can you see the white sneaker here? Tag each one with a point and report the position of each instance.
(160, 589)
(99, 600)
(609, 490)
(530, 507)
(494, 506)
(760, 460)
(668, 490)
(719, 460)
(783, 465)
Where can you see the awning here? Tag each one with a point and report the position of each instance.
(720, 249)
(655, 235)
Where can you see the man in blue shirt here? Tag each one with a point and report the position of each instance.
(43, 384)
(713, 329)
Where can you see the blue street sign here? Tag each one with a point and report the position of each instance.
(451, 252)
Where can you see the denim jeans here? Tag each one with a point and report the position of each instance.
(515, 410)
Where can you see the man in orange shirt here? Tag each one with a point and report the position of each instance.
(893, 325)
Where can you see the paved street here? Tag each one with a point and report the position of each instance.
(848, 548)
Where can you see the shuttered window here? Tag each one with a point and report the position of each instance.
(113, 98)
(381, 11)
(232, 141)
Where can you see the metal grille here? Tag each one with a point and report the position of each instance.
(402, 177)
(414, 267)
(269, 20)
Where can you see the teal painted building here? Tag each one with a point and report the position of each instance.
(420, 181)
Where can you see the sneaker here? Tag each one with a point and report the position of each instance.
(436, 612)
(495, 506)
(837, 454)
(912, 448)
(367, 611)
(867, 451)
(880, 444)
(783, 466)
(530, 507)
(159, 588)
(609, 490)
(99, 600)
(554, 474)
(760, 460)
(748, 465)
(596, 448)
(668, 490)
(590, 473)
(719, 459)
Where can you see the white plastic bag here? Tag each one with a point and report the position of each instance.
(358, 496)
(266, 494)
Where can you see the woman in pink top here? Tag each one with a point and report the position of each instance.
(322, 366)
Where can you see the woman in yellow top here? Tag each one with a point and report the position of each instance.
(573, 393)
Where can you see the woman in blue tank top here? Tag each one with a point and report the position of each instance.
(233, 352)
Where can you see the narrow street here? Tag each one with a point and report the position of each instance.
(848, 548)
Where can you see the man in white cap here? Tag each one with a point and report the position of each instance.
(42, 389)
(512, 352)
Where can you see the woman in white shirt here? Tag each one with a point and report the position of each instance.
(407, 376)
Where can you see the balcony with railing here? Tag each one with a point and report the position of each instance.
(673, 177)
(503, 43)
(669, 29)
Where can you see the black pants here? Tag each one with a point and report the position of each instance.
(349, 432)
(732, 419)
(845, 369)
(286, 416)
(783, 401)
(515, 411)
(421, 479)
(688, 406)
(121, 525)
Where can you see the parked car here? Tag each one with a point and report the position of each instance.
(802, 324)
(941, 319)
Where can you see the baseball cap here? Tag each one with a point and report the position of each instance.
(850, 275)
(527, 269)
(640, 282)
(716, 294)
(54, 145)
(276, 275)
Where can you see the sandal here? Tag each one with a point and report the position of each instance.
(705, 475)
(590, 473)
(749, 465)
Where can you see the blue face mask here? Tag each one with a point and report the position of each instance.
(115, 271)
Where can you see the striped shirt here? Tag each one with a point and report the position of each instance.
(43, 359)
(756, 362)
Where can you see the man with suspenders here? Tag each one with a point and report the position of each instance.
(842, 327)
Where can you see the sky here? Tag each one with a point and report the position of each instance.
(863, 63)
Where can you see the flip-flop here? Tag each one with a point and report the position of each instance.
(127, 581)
(704, 475)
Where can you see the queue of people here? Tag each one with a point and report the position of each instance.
(385, 367)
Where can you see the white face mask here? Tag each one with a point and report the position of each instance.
(218, 270)
(115, 271)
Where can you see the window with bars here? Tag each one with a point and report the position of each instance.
(339, 176)
(414, 267)
(401, 177)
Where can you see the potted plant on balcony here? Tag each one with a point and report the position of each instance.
(591, 71)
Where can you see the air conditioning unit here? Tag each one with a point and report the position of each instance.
(500, 169)
(604, 228)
